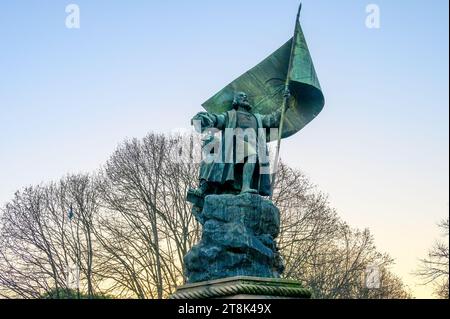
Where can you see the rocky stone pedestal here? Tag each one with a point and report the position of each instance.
(243, 288)
(237, 256)
(238, 239)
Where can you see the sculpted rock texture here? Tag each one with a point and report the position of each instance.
(238, 239)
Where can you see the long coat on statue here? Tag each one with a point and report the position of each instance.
(221, 165)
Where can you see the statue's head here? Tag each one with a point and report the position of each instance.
(241, 100)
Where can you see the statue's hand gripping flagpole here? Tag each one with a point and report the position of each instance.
(286, 96)
(303, 99)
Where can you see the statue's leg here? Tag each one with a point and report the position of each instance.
(247, 175)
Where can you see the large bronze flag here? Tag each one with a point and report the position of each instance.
(265, 85)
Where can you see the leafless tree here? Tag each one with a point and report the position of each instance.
(131, 228)
(435, 268)
(29, 261)
(321, 250)
(79, 194)
(39, 243)
(147, 226)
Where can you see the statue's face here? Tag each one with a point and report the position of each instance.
(241, 99)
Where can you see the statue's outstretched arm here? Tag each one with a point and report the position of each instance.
(205, 120)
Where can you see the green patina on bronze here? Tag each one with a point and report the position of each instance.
(281, 92)
(264, 85)
(239, 225)
(217, 175)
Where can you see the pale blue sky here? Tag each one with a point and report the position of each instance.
(379, 148)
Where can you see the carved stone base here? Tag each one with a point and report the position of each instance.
(243, 287)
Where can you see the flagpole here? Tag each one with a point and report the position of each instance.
(69, 216)
(285, 99)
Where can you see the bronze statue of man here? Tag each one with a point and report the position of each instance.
(239, 225)
(246, 169)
